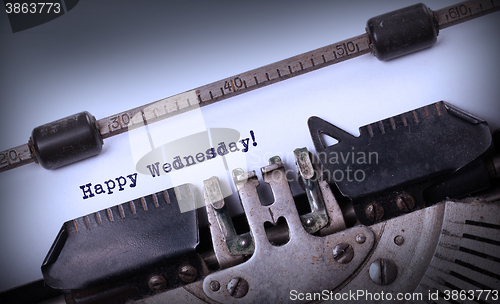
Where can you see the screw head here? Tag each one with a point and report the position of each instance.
(374, 212)
(405, 202)
(399, 240)
(360, 238)
(237, 287)
(343, 253)
(383, 271)
(218, 204)
(187, 273)
(214, 285)
(157, 283)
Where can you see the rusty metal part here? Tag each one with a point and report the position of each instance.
(237, 287)
(399, 240)
(493, 165)
(383, 271)
(264, 270)
(236, 85)
(304, 163)
(336, 222)
(374, 212)
(308, 179)
(157, 283)
(467, 252)
(214, 285)
(410, 260)
(237, 244)
(360, 238)
(420, 230)
(253, 79)
(343, 252)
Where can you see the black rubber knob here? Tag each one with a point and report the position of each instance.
(66, 141)
(403, 31)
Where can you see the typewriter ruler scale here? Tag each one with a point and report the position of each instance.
(372, 42)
